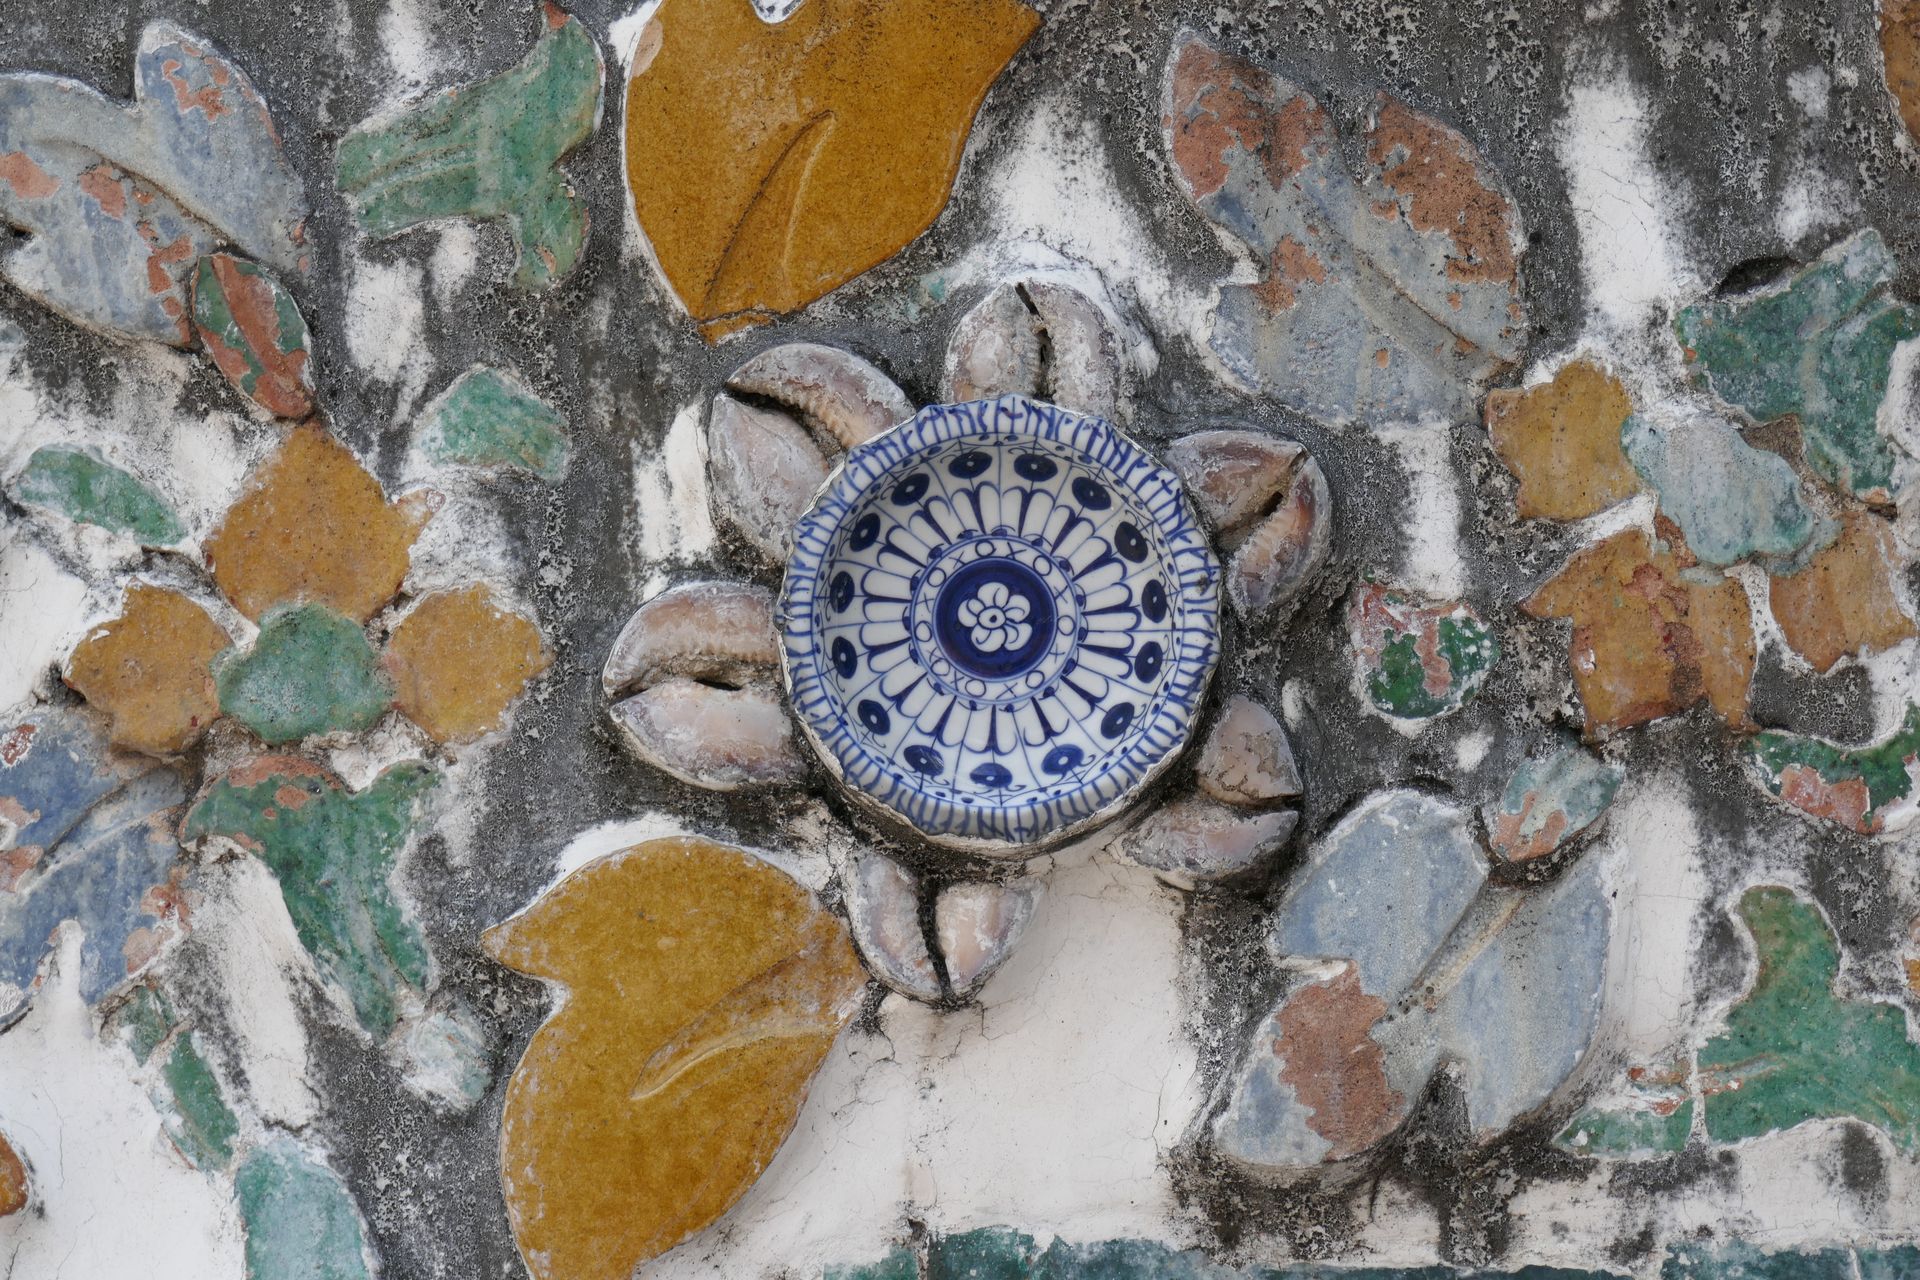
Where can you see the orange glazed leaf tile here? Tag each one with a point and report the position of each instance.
(1843, 601)
(1561, 440)
(770, 163)
(1649, 641)
(457, 660)
(313, 525)
(151, 670)
(703, 990)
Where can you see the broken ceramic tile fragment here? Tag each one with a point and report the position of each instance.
(85, 836)
(300, 1218)
(703, 990)
(1387, 298)
(333, 852)
(81, 487)
(899, 1264)
(1652, 1115)
(1819, 345)
(1550, 800)
(1247, 759)
(1844, 601)
(120, 201)
(1418, 660)
(183, 1087)
(1045, 339)
(313, 525)
(448, 1057)
(883, 912)
(1899, 22)
(252, 328)
(1269, 505)
(310, 671)
(16, 1190)
(718, 738)
(151, 670)
(1195, 840)
(764, 470)
(1867, 789)
(977, 923)
(755, 203)
(1790, 1050)
(1652, 632)
(840, 396)
(717, 631)
(489, 151)
(1794, 1050)
(1561, 440)
(488, 419)
(457, 661)
(1408, 962)
(1730, 500)
(997, 623)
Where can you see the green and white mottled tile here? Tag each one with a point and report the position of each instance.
(300, 1219)
(1871, 790)
(488, 419)
(489, 151)
(85, 489)
(1819, 345)
(310, 671)
(1416, 659)
(333, 852)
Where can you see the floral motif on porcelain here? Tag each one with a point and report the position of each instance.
(998, 621)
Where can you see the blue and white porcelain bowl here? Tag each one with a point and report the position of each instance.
(998, 622)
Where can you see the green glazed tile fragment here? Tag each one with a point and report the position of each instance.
(1636, 1126)
(143, 1021)
(1793, 1050)
(252, 328)
(333, 851)
(489, 151)
(1818, 345)
(185, 1091)
(487, 419)
(1865, 789)
(1738, 1260)
(1549, 801)
(301, 1222)
(196, 1114)
(1902, 1263)
(989, 1253)
(1419, 660)
(83, 488)
(900, 1264)
(310, 671)
(1731, 500)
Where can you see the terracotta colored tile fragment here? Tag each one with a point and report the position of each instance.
(13, 1180)
(457, 660)
(1561, 440)
(704, 988)
(151, 670)
(1648, 642)
(1334, 1065)
(1843, 601)
(313, 525)
(1900, 43)
(255, 334)
(770, 163)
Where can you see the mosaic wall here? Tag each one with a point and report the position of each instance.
(916, 639)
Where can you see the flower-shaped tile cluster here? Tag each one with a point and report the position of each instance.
(311, 551)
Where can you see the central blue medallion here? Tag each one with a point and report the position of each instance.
(998, 621)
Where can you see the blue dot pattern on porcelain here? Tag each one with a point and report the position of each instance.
(998, 621)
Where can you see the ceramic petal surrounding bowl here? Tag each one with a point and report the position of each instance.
(998, 622)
